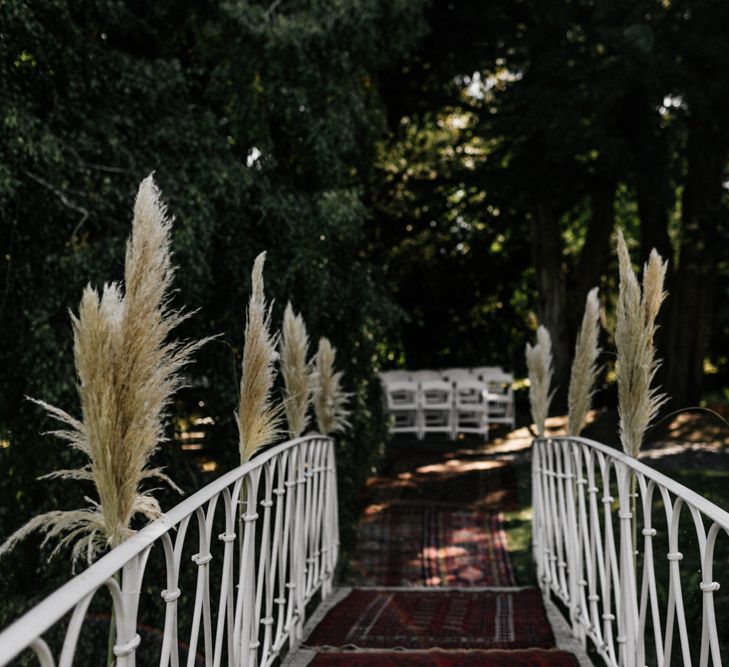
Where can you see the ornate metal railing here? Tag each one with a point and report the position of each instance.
(267, 541)
(638, 606)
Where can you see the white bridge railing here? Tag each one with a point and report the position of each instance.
(653, 604)
(234, 567)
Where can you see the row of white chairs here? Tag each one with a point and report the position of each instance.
(450, 401)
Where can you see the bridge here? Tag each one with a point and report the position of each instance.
(242, 573)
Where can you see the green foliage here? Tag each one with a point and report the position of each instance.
(260, 121)
(455, 252)
(521, 134)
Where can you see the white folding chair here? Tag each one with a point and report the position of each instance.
(481, 371)
(395, 376)
(500, 398)
(436, 401)
(403, 404)
(421, 376)
(470, 411)
(455, 374)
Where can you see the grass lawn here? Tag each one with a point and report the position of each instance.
(518, 526)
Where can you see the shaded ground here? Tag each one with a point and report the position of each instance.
(680, 445)
(443, 507)
(692, 447)
(695, 440)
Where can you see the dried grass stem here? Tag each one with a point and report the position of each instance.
(539, 364)
(638, 401)
(296, 371)
(584, 367)
(258, 417)
(330, 401)
(128, 369)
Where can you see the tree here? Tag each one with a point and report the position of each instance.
(700, 47)
(260, 122)
(580, 113)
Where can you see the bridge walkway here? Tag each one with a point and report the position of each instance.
(434, 580)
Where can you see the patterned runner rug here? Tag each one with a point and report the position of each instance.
(453, 619)
(522, 658)
(416, 545)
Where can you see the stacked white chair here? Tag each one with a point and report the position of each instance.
(403, 404)
(500, 388)
(395, 376)
(471, 409)
(421, 376)
(456, 374)
(482, 371)
(436, 402)
(452, 401)
(460, 377)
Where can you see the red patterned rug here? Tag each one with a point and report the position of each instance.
(454, 619)
(416, 545)
(522, 658)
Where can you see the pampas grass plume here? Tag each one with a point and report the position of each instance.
(258, 418)
(296, 371)
(584, 369)
(330, 402)
(539, 364)
(638, 402)
(127, 372)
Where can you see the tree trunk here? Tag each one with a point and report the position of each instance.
(691, 306)
(652, 185)
(656, 199)
(560, 315)
(552, 294)
(653, 214)
(641, 125)
(596, 251)
(692, 288)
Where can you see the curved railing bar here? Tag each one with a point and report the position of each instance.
(28, 628)
(609, 593)
(715, 513)
(77, 619)
(226, 596)
(649, 592)
(42, 652)
(709, 586)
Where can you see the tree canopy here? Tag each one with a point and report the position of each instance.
(431, 179)
(522, 133)
(260, 122)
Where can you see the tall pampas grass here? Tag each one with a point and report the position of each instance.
(584, 368)
(539, 364)
(127, 372)
(638, 402)
(296, 371)
(330, 401)
(258, 417)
